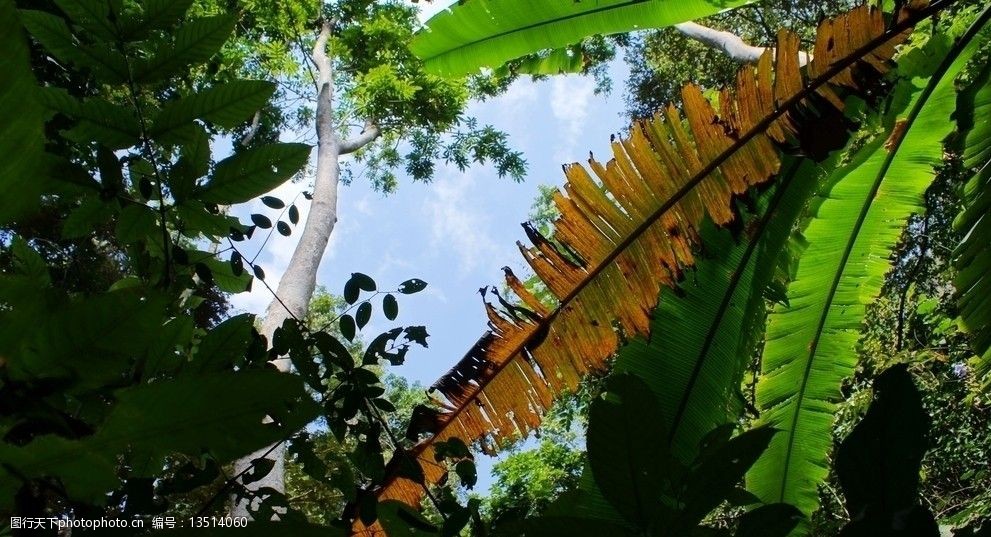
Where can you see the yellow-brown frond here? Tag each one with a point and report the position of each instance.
(629, 226)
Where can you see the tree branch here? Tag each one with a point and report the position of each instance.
(367, 135)
(734, 47)
(319, 56)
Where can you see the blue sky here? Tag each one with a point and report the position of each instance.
(458, 231)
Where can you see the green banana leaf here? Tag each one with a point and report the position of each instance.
(555, 62)
(811, 344)
(702, 336)
(487, 33)
(972, 258)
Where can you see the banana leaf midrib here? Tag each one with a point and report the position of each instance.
(731, 289)
(927, 92)
(903, 25)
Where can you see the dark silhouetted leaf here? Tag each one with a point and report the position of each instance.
(390, 307)
(261, 221)
(467, 473)
(259, 469)
(351, 291)
(772, 520)
(363, 315)
(878, 463)
(283, 228)
(204, 273)
(414, 285)
(363, 281)
(237, 264)
(348, 327)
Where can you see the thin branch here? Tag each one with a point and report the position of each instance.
(367, 135)
(733, 45)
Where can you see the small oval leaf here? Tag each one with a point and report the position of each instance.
(414, 285)
(203, 271)
(261, 221)
(283, 228)
(351, 291)
(390, 306)
(273, 202)
(348, 327)
(237, 264)
(144, 186)
(364, 314)
(293, 214)
(179, 255)
(259, 273)
(363, 281)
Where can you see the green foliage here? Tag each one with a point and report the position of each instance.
(639, 487)
(810, 344)
(466, 37)
(120, 397)
(253, 172)
(657, 59)
(527, 482)
(971, 257)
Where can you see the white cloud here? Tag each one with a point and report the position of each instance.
(570, 98)
(520, 95)
(456, 224)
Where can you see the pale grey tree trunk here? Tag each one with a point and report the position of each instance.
(300, 277)
(734, 46)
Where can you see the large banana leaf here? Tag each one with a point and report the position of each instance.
(488, 33)
(633, 231)
(973, 257)
(704, 331)
(811, 344)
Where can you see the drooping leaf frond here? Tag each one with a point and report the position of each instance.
(622, 238)
(811, 344)
(972, 258)
(466, 36)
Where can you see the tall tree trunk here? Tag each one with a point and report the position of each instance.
(300, 277)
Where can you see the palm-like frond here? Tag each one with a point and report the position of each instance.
(972, 258)
(488, 33)
(811, 344)
(621, 241)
